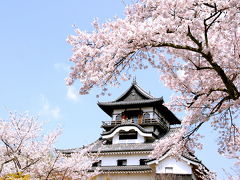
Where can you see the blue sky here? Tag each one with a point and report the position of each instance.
(34, 63)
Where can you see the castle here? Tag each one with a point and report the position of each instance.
(138, 120)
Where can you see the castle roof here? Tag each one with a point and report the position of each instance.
(115, 148)
(135, 96)
(123, 147)
(125, 169)
(141, 92)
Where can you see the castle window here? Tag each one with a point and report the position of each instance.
(67, 154)
(97, 164)
(118, 117)
(127, 135)
(168, 169)
(135, 119)
(132, 116)
(146, 115)
(142, 161)
(122, 162)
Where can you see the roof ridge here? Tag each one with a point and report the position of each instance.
(138, 88)
(143, 91)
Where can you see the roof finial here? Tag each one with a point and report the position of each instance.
(134, 80)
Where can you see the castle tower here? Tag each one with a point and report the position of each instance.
(140, 112)
(136, 121)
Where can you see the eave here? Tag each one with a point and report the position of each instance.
(124, 169)
(108, 107)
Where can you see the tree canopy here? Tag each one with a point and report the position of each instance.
(26, 153)
(195, 46)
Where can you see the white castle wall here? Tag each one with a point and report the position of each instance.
(133, 159)
(115, 135)
(179, 166)
(116, 140)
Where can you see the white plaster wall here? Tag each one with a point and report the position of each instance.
(132, 109)
(179, 167)
(117, 111)
(133, 159)
(115, 134)
(146, 109)
(149, 110)
(116, 140)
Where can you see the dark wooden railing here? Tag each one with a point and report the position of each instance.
(149, 121)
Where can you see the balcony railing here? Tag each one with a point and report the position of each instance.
(149, 121)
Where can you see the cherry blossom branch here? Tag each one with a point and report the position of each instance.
(194, 45)
(52, 166)
(193, 130)
(24, 149)
(207, 26)
(231, 88)
(6, 162)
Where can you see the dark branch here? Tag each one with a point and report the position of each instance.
(219, 104)
(207, 26)
(199, 44)
(193, 130)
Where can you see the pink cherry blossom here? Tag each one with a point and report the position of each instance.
(25, 149)
(195, 46)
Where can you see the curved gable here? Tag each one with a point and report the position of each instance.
(127, 129)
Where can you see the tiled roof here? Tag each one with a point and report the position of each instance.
(107, 148)
(136, 102)
(124, 168)
(123, 147)
(191, 157)
(134, 96)
(108, 107)
(185, 154)
(137, 97)
(130, 146)
(137, 88)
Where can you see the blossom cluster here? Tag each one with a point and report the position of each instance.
(26, 151)
(194, 44)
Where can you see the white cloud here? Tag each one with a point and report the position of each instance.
(72, 94)
(49, 110)
(62, 67)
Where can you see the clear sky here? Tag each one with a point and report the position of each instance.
(34, 63)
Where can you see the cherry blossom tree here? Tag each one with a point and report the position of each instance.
(195, 46)
(26, 151)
